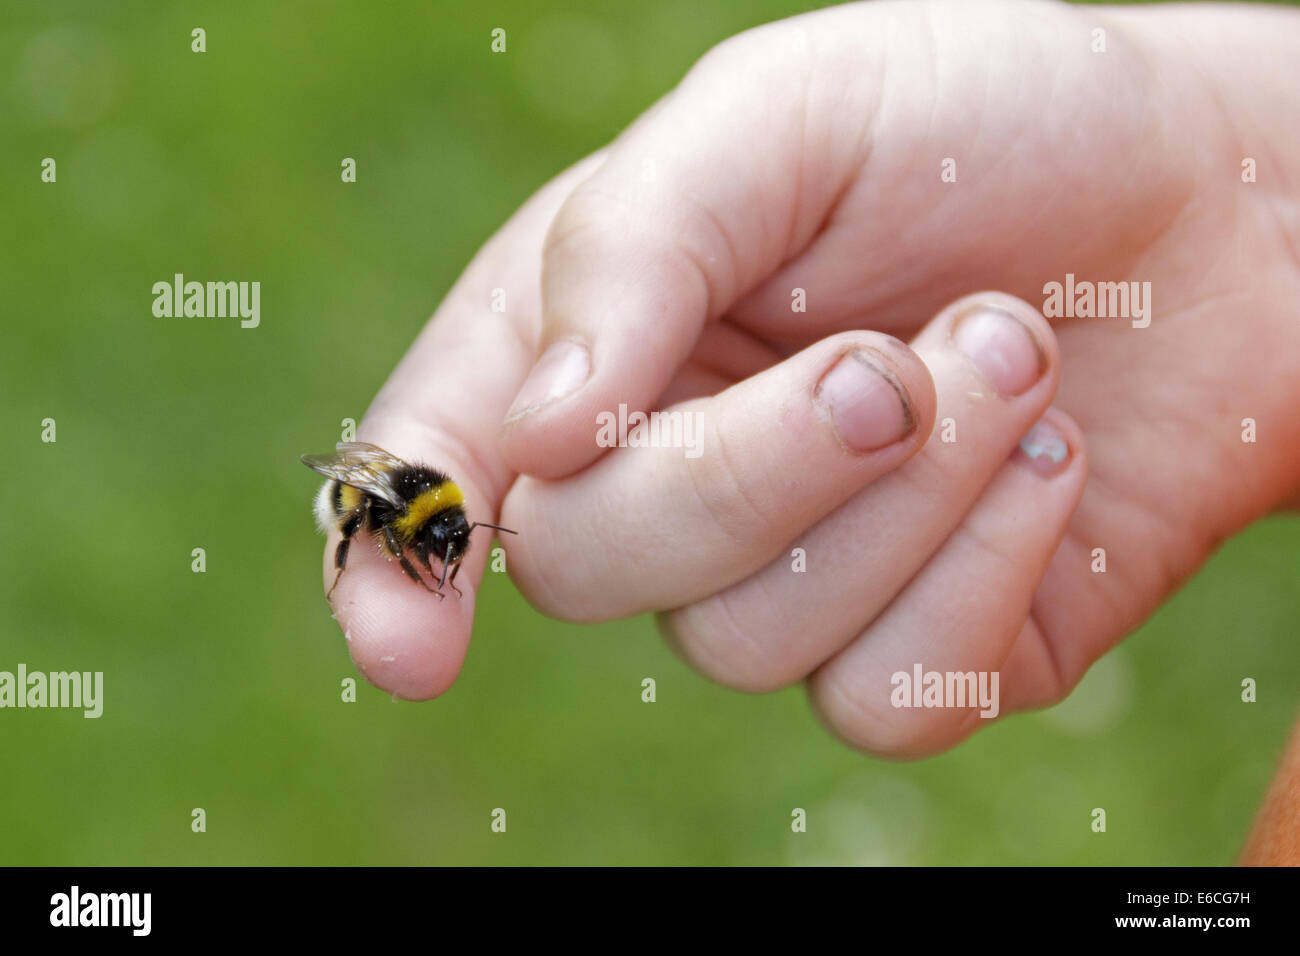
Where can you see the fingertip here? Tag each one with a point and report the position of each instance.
(403, 639)
(874, 390)
(556, 436)
(883, 731)
(915, 376)
(552, 442)
(1005, 338)
(561, 370)
(1054, 446)
(543, 434)
(623, 305)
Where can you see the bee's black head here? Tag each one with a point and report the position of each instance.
(446, 536)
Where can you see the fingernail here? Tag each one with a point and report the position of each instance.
(561, 371)
(1002, 348)
(868, 405)
(1046, 449)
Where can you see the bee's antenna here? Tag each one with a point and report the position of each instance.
(484, 524)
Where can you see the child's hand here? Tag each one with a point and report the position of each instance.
(807, 155)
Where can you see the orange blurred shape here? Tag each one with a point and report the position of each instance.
(1275, 839)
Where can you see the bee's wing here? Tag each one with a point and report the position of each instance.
(361, 465)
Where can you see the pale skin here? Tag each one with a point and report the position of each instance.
(807, 155)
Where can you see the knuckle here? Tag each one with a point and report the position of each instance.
(729, 494)
(576, 227)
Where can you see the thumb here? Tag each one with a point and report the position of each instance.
(701, 199)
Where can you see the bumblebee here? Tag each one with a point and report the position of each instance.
(404, 506)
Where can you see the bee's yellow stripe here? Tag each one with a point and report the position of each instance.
(427, 504)
(349, 500)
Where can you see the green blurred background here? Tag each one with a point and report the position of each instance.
(223, 689)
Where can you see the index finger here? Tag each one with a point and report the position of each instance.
(443, 407)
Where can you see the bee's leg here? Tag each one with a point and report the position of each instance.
(330, 592)
(341, 552)
(396, 550)
(415, 575)
(454, 565)
(428, 563)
